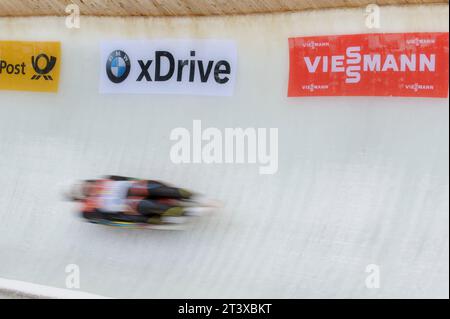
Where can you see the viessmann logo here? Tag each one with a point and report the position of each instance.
(370, 64)
(353, 63)
(198, 67)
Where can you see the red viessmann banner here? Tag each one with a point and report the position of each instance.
(383, 64)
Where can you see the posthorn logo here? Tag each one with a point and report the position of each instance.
(118, 66)
(43, 68)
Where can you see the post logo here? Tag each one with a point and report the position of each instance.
(29, 66)
(384, 64)
(118, 66)
(43, 69)
(194, 67)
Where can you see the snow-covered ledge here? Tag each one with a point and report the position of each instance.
(20, 289)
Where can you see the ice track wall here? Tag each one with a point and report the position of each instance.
(361, 180)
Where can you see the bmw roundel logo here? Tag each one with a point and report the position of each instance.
(118, 66)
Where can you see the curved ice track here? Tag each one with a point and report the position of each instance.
(361, 180)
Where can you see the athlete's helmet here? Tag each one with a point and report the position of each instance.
(79, 191)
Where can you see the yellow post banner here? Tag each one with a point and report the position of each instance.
(29, 66)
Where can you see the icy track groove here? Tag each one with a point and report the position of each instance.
(361, 180)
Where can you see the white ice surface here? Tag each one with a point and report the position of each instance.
(361, 180)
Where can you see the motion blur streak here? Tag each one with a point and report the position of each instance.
(361, 181)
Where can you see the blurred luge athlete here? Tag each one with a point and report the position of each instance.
(116, 198)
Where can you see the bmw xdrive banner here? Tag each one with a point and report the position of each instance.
(385, 64)
(193, 67)
(29, 66)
